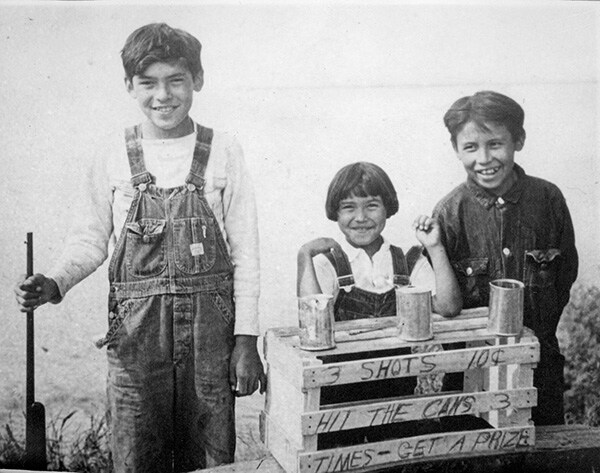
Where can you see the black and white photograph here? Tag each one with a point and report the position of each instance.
(300, 237)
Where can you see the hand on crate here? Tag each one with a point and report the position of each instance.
(319, 245)
(306, 281)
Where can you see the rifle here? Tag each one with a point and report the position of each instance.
(35, 427)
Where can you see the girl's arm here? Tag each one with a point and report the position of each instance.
(307, 282)
(447, 300)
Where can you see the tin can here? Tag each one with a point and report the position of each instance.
(506, 307)
(315, 318)
(413, 309)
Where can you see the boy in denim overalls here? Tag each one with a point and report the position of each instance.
(174, 199)
(502, 223)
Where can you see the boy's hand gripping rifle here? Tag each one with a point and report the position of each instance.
(35, 427)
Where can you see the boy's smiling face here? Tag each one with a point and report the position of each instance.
(361, 220)
(164, 93)
(488, 155)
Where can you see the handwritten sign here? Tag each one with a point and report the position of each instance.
(415, 408)
(407, 449)
(418, 364)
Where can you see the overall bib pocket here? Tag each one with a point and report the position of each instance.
(473, 279)
(145, 247)
(195, 244)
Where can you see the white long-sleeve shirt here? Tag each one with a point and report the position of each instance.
(107, 194)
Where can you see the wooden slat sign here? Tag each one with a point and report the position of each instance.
(418, 364)
(413, 448)
(415, 408)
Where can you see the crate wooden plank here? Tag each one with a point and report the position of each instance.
(427, 447)
(474, 379)
(387, 339)
(281, 447)
(285, 402)
(382, 332)
(417, 364)
(287, 359)
(415, 408)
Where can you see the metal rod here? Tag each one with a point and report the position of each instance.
(30, 394)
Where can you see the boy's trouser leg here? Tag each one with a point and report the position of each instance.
(140, 387)
(205, 415)
(140, 419)
(548, 378)
(169, 398)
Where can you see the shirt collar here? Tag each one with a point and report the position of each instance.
(487, 199)
(353, 252)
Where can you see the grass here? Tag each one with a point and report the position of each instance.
(85, 451)
(581, 341)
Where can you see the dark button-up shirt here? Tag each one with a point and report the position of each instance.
(526, 234)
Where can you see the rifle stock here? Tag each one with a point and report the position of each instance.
(35, 426)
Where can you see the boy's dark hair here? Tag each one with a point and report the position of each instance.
(158, 42)
(360, 179)
(485, 107)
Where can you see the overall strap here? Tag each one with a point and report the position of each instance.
(401, 272)
(135, 154)
(412, 256)
(343, 270)
(204, 138)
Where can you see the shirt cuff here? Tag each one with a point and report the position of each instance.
(246, 316)
(62, 284)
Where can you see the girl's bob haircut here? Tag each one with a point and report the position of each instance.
(360, 179)
(485, 107)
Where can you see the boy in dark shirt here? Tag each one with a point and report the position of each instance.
(502, 223)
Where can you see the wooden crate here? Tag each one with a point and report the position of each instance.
(498, 387)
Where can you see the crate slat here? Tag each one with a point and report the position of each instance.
(418, 364)
(427, 446)
(415, 408)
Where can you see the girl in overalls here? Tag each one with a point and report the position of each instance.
(361, 273)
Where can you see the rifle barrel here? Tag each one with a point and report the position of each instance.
(30, 388)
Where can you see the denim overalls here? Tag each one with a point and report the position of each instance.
(355, 303)
(170, 331)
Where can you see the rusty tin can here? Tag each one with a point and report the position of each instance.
(506, 307)
(315, 318)
(413, 309)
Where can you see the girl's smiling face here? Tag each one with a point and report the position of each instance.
(361, 220)
(164, 93)
(488, 155)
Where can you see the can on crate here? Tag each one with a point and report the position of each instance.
(315, 318)
(506, 307)
(413, 309)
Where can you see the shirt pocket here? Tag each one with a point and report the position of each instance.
(541, 267)
(145, 247)
(473, 280)
(195, 244)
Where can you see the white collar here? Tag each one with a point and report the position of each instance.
(353, 252)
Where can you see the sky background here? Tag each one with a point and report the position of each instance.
(307, 88)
